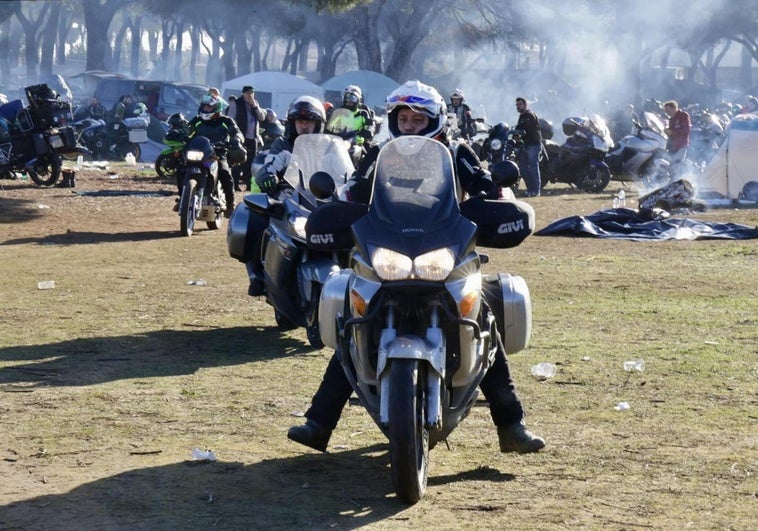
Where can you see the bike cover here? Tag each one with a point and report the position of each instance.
(628, 224)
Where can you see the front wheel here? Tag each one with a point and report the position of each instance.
(595, 178)
(45, 174)
(407, 431)
(189, 207)
(312, 329)
(166, 166)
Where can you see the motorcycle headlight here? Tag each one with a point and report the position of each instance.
(194, 155)
(496, 144)
(391, 265)
(434, 265)
(298, 225)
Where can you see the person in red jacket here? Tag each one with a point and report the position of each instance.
(678, 131)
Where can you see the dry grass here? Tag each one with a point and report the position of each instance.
(110, 380)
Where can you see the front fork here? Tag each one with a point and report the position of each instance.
(432, 352)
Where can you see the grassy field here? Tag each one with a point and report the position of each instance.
(110, 380)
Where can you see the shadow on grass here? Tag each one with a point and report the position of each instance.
(18, 210)
(345, 490)
(161, 353)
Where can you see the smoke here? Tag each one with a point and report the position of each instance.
(594, 54)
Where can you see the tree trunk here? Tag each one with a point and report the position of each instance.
(98, 15)
(118, 46)
(64, 28)
(49, 34)
(194, 52)
(746, 70)
(177, 70)
(365, 36)
(5, 49)
(136, 49)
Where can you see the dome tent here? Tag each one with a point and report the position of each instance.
(375, 87)
(274, 90)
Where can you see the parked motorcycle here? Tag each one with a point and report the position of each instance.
(409, 320)
(295, 265)
(641, 156)
(579, 161)
(202, 197)
(112, 141)
(170, 162)
(706, 135)
(34, 139)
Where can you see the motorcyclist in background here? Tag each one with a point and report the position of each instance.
(211, 123)
(462, 112)
(363, 125)
(305, 115)
(418, 109)
(271, 129)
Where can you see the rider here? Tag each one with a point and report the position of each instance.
(210, 123)
(363, 117)
(305, 115)
(462, 112)
(271, 129)
(418, 109)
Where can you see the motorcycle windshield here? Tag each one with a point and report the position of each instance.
(654, 123)
(343, 123)
(313, 153)
(414, 186)
(600, 129)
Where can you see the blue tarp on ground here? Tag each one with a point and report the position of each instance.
(627, 224)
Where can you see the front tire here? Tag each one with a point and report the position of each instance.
(407, 431)
(594, 179)
(166, 166)
(189, 206)
(45, 174)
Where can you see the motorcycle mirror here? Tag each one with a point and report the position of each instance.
(321, 185)
(505, 173)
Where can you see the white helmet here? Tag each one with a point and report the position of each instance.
(419, 98)
(457, 93)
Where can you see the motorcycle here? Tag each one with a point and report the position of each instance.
(202, 197)
(35, 139)
(641, 156)
(413, 321)
(706, 135)
(170, 162)
(112, 141)
(579, 161)
(297, 264)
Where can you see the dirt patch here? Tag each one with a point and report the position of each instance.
(110, 380)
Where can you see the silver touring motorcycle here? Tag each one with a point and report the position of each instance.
(413, 319)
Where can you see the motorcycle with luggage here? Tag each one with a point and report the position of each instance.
(35, 139)
(641, 156)
(297, 250)
(113, 140)
(413, 320)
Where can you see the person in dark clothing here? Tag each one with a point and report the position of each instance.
(418, 109)
(529, 157)
(248, 114)
(305, 115)
(216, 127)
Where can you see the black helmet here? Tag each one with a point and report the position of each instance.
(307, 108)
(177, 121)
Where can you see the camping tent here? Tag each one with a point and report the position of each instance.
(274, 90)
(375, 87)
(736, 161)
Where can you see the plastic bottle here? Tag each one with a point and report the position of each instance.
(79, 162)
(130, 160)
(46, 284)
(615, 202)
(203, 455)
(544, 370)
(634, 365)
(622, 198)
